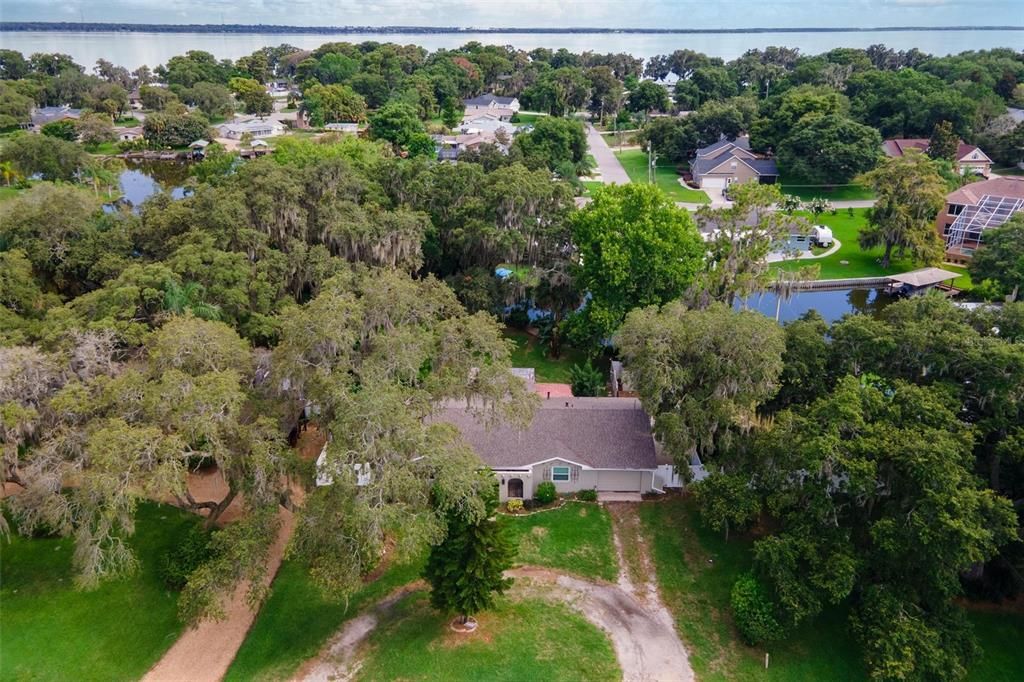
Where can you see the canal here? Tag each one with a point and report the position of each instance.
(831, 305)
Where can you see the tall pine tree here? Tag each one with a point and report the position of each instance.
(466, 570)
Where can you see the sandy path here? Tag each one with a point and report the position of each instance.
(203, 653)
(643, 635)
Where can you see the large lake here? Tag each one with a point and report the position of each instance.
(135, 49)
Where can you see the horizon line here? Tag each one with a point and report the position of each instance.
(117, 26)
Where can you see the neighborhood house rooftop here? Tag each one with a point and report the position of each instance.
(602, 433)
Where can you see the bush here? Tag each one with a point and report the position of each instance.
(587, 495)
(518, 318)
(753, 610)
(179, 562)
(586, 380)
(514, 506)
(545, 493)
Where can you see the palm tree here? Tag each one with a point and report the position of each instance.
(187, 298)
(9, 172)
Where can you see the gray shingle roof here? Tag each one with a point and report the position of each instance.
(763, 166)
(488, 100)
(603, 433)
(702, 165)
(743, 142)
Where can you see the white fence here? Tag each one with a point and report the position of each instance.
(666, 476)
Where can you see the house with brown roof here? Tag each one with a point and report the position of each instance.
(604, 444)
(974, 209)
(729, 161)
(969, 159)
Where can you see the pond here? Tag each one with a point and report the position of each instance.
(142, 179)
(831, 305)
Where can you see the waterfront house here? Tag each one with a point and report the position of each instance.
(727, 161)
(255, 127)
(974, 209)
(969, 159)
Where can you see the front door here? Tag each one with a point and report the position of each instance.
(515, 487)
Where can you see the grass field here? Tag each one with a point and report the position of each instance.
(696, 570)
(860, 263)
(665, 177)
(52, 631)
(516, 641)
(522, 119)
(576, 538)
(8, 193)
(298, 618)
(529, 353)
(105, 148)
(838, 193)
(128, 122)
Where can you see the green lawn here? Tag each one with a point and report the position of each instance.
(590, 185)
(665, 176)
(52, 631)
(859, 263)
(528, 353)
(805, 191)
(516, 641)
(128, 122)
(8, 193)
(576, 538)
(1000, 635)
(696, 569)
(527, 119)
(105, 148)
(298, 618)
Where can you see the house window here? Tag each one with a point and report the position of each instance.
(560, 473)
(955, 209)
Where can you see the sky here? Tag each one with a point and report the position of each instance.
(530, 13)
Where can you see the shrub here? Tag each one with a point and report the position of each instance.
(518, 318)
(587, 495)
(545, 493)
(179, 562)
(586, 380)
(753, 610)
(514, 506)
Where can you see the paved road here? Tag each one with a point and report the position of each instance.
(607, 162)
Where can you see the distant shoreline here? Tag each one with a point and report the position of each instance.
(103, 27)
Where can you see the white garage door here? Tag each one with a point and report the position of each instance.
(619, 481)
(712, 183)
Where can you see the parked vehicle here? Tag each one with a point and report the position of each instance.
(821, 236)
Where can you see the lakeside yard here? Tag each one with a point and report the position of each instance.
(530, 353)
(54, 631)
(858, 263)
(634, 161)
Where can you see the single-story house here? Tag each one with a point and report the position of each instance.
(727, 161)
(491, 101)
(969, 159)
(40, 116)
(975, 208)
(129, 134)
(501, 113)
(347, 128)
(451, 147)
(254, 126)
(603, 444)
(487, 125)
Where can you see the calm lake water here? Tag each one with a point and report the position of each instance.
(134, 49)
(142, 179)
(831, 305)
